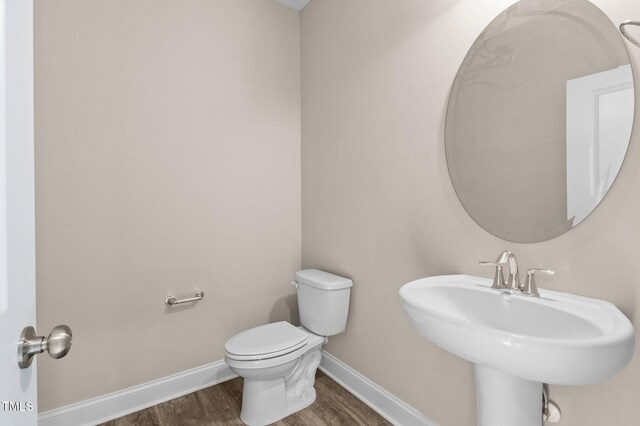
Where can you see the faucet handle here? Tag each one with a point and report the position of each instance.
(498, 279)
(530, 286)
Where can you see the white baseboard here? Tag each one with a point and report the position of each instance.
(117, 404)
(385, 404)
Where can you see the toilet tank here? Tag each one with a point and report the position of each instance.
(323, 301)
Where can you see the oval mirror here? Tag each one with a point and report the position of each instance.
(539, 118)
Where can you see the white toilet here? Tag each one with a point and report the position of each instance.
(278, 361)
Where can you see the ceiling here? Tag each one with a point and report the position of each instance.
(294, 4)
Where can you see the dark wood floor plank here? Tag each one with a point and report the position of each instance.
(329, 413)
(307, 417)
(183, 411)
(346, 401)
(144, 417)
(219, 407)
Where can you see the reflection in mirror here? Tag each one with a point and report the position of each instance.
(539, 118)
(599, 110)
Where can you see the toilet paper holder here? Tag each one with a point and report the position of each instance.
(172, 301)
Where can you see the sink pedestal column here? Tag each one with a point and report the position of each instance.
(504, 400)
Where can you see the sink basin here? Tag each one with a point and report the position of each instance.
(519, 341)
(557, 338)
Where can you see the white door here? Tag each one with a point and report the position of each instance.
(18, 405)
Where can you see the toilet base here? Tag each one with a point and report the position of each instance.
(263, 404)
(262, 401)
(267, 401)
(298, 404)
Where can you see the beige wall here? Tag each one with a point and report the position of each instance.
(168, 160)
(378, 205)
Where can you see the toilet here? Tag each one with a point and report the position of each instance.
(278, 361)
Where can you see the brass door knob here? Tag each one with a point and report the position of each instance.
(58, 344)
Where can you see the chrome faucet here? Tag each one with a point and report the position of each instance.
(513, 284)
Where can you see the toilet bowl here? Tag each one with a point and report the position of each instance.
(278, 361)
(278, 376)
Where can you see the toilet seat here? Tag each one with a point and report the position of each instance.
(265, 342)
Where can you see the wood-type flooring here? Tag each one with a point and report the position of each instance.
(219, 405)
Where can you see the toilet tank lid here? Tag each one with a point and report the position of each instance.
(322, 280)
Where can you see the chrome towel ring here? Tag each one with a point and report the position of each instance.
(624, 32)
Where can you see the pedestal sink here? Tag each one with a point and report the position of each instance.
(517, 343)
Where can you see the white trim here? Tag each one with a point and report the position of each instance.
(136, 398)
(127, 401)
(294, 4)
(385, 404)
